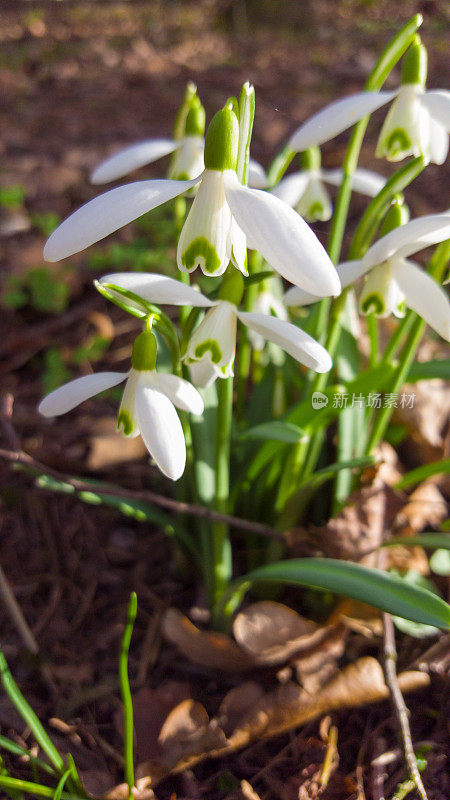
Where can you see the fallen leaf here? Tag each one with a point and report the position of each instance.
(187, 731)
(271, 632)
(427, 420)
(316, 667)
(210, 649)
(425, 507)
(237, 703)
(247, 791)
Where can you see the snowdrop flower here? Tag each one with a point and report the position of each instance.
(223, 215)
(417, 124)
(393, 281)
(305, 190)
(147, 406)
(211, 349)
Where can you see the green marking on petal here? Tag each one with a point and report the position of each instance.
(398, 142)
(315, 211)
(125, 422)
(203, 254)
(213, 346)
(373, 303)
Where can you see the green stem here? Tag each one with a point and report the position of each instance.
(221, 547)
(395, 341)
(126, 696)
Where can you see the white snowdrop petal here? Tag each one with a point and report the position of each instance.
(291, 188)
(238, 246)
(363, 180)
(205, 239)
(75, 392)
(438, 142)
(438, 104)
(257, 178)
(283, 238)
(406, 129)
(298, 297)
(203, 373)
(350, 271)
(291, 339)
(337, 117)
(127, 423)
(426, 297)
(133, 157)
(157, 289)
(315, 203)
(188, 159)
(409, 238)
(214, 339)
(181, 393)
(161, 430)
(108, 212)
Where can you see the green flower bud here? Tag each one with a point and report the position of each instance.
(232, 287)
(222, 139)
(414, 63)
(190, 95)
(143, 356)
(310, 159)
(195, 120)
(397, 215)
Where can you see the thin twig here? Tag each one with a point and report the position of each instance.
(16, 615)
(401, 711)
(191, 509)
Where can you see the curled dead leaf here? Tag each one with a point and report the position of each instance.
(237, 703)
(188, 730)
(210, 649)
(271, 632)
(425, 507)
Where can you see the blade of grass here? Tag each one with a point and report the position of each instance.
(17, 785)
(17, 750)
(28, 715)
(126, 695)
(421, 473)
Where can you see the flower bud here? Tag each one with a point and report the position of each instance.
(143, 355)
(195, 119)
(397, 215)
(222, 138)
(414, 64)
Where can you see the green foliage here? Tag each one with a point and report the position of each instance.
(12, 197)
(45, 223)
(55, 372)
(41, 288)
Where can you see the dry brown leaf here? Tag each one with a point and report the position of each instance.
(188, 730)
(190, 736)
(237, 703)
(425, 507)
(290, 705)
(141, 791)
(317, 666)
(271, 632)
(151, 707)
(204, 647)
(428, 420)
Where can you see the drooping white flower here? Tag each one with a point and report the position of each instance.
(418, 122)
(305, 191)
(210, 351)
(392, 279)
(147, 406)
(223, 214)
(269, 301)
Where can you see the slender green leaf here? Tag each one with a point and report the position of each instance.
(17, 785)
(421, 473)
(426, 370)
(429, 541)
(28, 715)
(61, 784)
(380, 589)
(17, 750)
(280, 431)
(416, 629)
